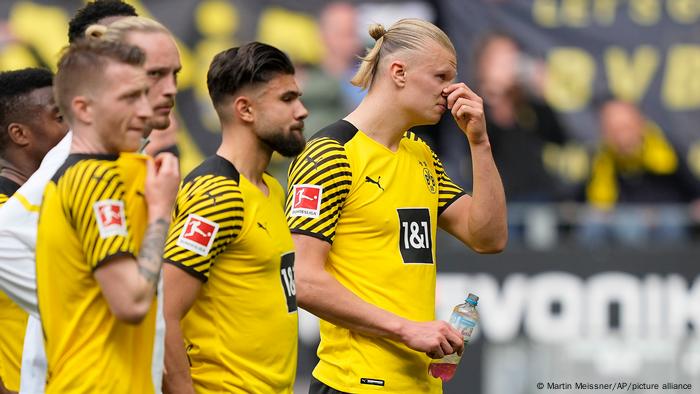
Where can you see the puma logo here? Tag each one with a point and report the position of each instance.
(312, 161)
(211, 197)
(370, 180)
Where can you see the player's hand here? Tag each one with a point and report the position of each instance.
(435, 338)
(162, 180)
(467, 109)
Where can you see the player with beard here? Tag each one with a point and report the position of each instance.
(230, 298)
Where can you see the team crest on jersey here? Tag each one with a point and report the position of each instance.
(428, 176)
(430, 180)
(110, 218)
(307, 201)
(198, 234)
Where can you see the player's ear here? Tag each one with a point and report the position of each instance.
(243, 109)
(18, 134)
(397, 72)
(82, 110)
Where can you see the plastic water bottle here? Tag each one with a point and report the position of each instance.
(464, 318)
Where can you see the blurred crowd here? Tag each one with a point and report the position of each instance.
(630, 186)
(633, 187)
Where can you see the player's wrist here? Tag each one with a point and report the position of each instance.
(159, 210)
(481, 142)
(399, 329)
(160, 217)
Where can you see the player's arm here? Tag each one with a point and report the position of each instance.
(479, 220)
(127, 283)
(321, 294)
(182, 290)
(213, 208)
(324, 165)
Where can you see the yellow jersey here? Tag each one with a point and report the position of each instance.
(241, 332)
(93, 210)
(13, 319)
(378, 209)
(7, 189)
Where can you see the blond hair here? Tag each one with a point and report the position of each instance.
(119, 29)
(81, 68)
(407, 34)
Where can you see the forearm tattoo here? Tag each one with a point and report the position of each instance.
(151, 256)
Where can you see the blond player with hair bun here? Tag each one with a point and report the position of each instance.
(364, 202)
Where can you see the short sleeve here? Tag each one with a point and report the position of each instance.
(448, 191)
(208, 216)
(319, 182)
(93, 194)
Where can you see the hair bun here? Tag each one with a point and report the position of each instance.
(377, 31)
(95, 31)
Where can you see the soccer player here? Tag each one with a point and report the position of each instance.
(100, 211)
(19, 221)
(30, 125)
(230, 305)
(364, 201)
(162, 67)
(162, 62)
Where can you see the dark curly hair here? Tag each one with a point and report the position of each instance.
(92, 12)
(15, 87)
(243, 66)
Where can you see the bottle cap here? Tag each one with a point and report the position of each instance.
(472, 299)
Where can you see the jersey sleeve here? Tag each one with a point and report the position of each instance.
(207, 217)
(448, 191)
(319, 182)
(94, 195)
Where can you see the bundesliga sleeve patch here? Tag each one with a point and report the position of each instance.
(110, 218)
(307, 201)
(198, 235)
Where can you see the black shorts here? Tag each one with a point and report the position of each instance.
(318, 387)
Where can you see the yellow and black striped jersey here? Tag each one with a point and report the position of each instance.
(241, 332)
(7, 189)
(378, 209)
(13, 319)
(93, 210)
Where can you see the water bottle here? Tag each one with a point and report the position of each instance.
(464, 318)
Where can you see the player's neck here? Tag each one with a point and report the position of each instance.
(84, 142)
(247, 153)
(371, 118)
(16, 173)
(17, 167)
